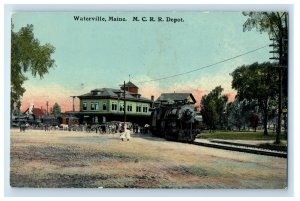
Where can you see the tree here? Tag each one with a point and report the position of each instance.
(16, 108)
(276, 25)
(256, 82)
(56, 109)
(212, 107)
(240, 112)
(254, 119)
(27, 55)
(235, 117)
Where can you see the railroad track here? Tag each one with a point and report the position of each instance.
(253, 149)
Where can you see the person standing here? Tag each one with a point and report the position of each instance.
(122, 131)
(127, 132)
(125, 135)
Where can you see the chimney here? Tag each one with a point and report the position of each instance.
(152, 101)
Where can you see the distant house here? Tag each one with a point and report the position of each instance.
(107, 104)
(37, 113)
(34, 115)
(177, 97)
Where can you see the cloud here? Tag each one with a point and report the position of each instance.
(148, 89)
(56, 93)
(198, 87)
(51, 93)
(204, 83)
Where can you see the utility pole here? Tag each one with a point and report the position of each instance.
(280, 48)
(73, 102)
(124, 105)
(277, 51)
(47, 103)
(278, 131)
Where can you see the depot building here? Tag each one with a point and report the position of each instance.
(107, 104)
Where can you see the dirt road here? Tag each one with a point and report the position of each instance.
(90, 160)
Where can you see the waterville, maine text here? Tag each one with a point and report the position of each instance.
(99, 18)
(133, 19)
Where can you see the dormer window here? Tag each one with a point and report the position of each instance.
(96, 92)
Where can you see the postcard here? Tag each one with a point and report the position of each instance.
(149, 100)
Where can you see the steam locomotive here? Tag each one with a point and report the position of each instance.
(175, 121)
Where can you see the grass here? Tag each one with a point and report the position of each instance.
(235, 135)
(259, 136)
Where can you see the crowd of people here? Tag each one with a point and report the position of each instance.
(125, 130)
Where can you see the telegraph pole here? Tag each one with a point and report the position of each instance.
(73, 103)
(124, 105)
(280, 94)
(280, 48)
(47, 103)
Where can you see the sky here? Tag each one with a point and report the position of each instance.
(97, 54)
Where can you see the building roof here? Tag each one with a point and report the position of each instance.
(35, 111)
(103, 93)
(38, 112)
(129, 84)
(177, 97)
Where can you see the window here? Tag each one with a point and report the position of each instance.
(104, 106)
(121, 107)
(92, 106)
(114, 106)
(97, 106)
(129, 108)
(84, 106)
(145, 109)
(138, 108)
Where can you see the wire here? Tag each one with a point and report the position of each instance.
(203, 67)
